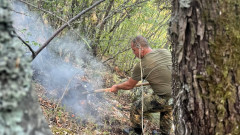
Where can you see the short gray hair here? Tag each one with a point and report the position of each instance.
(140, 41)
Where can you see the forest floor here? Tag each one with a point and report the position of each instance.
(104, 120)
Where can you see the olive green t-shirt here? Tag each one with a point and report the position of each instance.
(156, 67)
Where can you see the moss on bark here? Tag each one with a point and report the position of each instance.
(19, 109)
(206, 67)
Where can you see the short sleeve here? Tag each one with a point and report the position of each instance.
(136, 73)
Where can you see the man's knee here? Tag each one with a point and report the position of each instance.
(136, 108)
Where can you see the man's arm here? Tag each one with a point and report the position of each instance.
(129, 84)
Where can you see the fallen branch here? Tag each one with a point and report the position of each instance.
(65, 91)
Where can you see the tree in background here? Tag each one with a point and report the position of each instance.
(107, 29)
(19, 110)
(206, 68)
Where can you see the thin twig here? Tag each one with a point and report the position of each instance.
(54, 15)
(65, 91)
(43, 10)
(116, 54)
(29, 47)
(123, 8)
(18, 12)
(24, 42)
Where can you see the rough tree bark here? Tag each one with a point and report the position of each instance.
(20, 112)
(206, 67)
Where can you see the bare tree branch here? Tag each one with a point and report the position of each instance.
(29, 47)
(24, 42)
(120, 9)
(54, 15)
(63, 26)
(116, 54)
(43, 10)
(17, 12)
(97, 40)
(121, 19)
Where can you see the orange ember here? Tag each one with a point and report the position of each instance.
(82, 102)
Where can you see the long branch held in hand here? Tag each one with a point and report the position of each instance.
(108, 89)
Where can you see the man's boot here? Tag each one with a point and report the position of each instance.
(155, 132)
(138, 130)
(132, 131)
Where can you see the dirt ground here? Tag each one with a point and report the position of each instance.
(109, 116)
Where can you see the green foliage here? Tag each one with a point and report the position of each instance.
(26, 33)
(145, 20)
(33, 43)
(108, 32)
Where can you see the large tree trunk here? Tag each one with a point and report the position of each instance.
(20, 112)
(206, 66)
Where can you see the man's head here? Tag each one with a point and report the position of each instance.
(140, 46)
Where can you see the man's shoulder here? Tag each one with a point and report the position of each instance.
(158, 56)
(160, 50)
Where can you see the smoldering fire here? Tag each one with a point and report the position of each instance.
(61, 66)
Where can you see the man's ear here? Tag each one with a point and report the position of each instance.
(142, 50)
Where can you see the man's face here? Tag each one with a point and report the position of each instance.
(136, 50)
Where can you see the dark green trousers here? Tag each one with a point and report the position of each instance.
(153, 103)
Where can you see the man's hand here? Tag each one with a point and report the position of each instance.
(129, 84)
(114, 88)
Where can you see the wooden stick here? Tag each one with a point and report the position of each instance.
(108, 89)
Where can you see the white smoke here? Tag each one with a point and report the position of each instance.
(63, 64)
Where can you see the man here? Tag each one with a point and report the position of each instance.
(156, 69)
